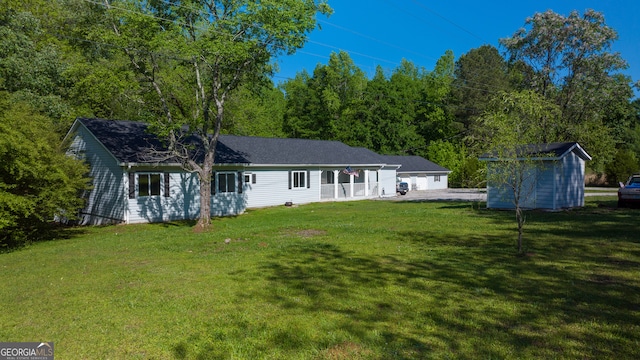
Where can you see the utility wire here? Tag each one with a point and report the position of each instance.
(177, 57)
(449, 21)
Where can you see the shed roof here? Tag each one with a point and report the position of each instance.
(130, 141)
(550, 151)
(414, 164)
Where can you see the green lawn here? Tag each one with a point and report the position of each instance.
(352, 280)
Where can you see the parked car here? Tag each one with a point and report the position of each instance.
(402, 188)
(629, 193)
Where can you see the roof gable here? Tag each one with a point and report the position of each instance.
(129, 141)
(549, 151)
(413, 163)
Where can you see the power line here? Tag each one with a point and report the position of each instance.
(449, 21)
(375, 39)
(177, 57)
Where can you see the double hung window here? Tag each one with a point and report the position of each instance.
(148, 184)
(226, 182)
(299, 179)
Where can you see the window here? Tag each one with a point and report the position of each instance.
(148, 184)
(250, 178)
(436, 178)
(226, 182)
(298, 179)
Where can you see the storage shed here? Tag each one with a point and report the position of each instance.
(555, 177)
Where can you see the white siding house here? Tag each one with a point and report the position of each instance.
(420, 173)
(555, 180)
(249, 172)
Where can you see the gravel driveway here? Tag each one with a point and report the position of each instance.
(443, 195)
(472, 194)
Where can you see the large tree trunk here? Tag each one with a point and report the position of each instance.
(204, 175)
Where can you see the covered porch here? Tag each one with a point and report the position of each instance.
(337, 184)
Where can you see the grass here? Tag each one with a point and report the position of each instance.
(351, 280)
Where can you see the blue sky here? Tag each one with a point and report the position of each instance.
(383, 32)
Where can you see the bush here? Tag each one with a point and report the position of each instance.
(38, 182)
(624, 164)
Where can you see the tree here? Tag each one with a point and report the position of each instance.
(38, 182)
(255, 110)
(327, 105)
(623, 165)
(31, 69)
(479, 75)
(574, 68)
(433, 116)
(190, 56)
(516, 120)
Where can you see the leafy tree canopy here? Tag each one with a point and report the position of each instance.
(37, 180)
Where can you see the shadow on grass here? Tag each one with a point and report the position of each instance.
(41, 233)
(576, 296)
(470, 297)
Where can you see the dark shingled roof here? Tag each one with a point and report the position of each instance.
(128, 141)
(550, 150)
(413, 164)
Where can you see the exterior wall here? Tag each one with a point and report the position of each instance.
(106, 200)
(182, 203)
(272, 187)
(546, 186)
(559, 185)
(228, 203)
(387, 180)
(432, 184)
(571, 182)
(422, 181)
(500, 195)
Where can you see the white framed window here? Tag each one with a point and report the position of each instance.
(226, 182)
(149, 184)
(436, 178)
(298, 179)
(250, 178)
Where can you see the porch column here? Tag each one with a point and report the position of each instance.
(366, 182)
(351, 177)
(335, 183)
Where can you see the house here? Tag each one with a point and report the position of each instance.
(554, 178)
(249, 172)
(420, 173)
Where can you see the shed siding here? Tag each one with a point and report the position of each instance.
(560, 184)
(545, 191)
(500, 196)
(574, 168)
(105, 201)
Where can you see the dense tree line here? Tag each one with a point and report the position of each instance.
(126, 59)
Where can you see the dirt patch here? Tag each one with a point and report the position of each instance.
(311, 233)
(345, 351)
